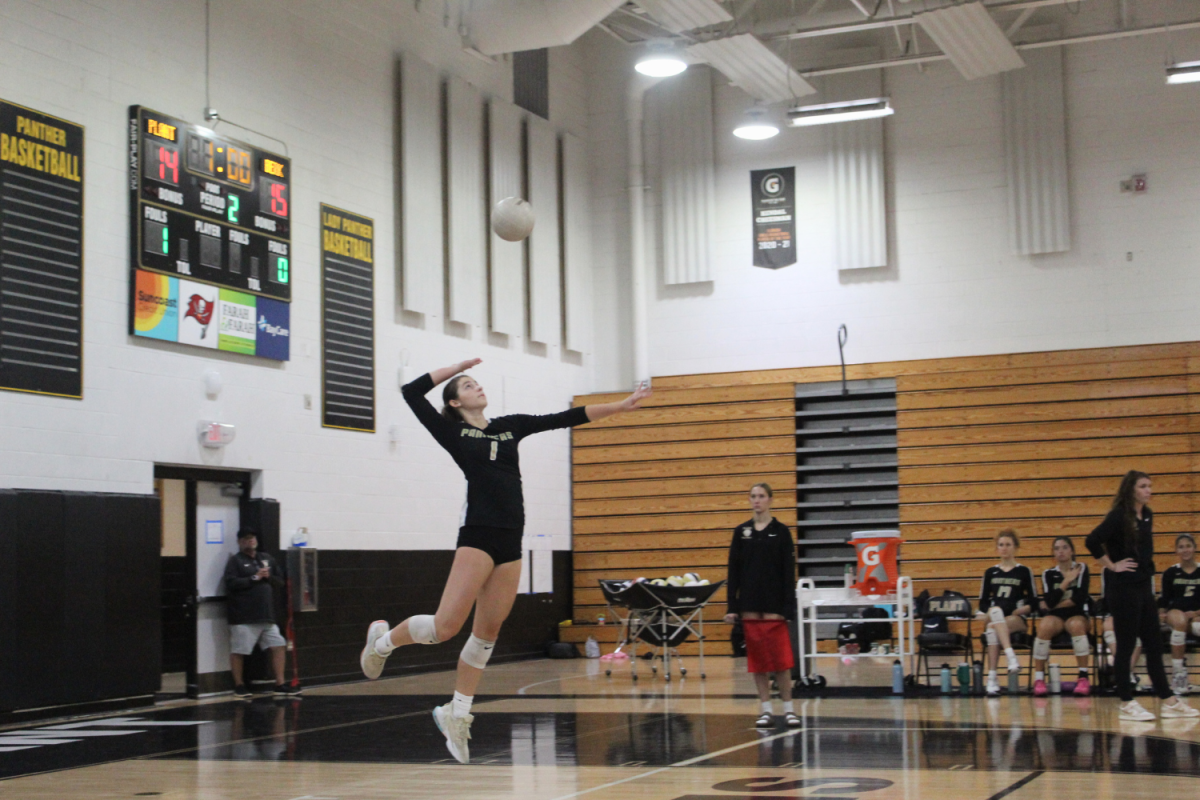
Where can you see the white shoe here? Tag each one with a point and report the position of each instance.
(1134, 712)
(1013, 664)
(1177, 709)
(457, 731)
(372, 662)
(1179, 683)
(765, 720)
(993, 689)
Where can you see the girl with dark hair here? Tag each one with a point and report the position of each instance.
(1006, 598)
(1180, 602)
(762, 593)
(487, 561)
(1124, 545)
(1064, 604)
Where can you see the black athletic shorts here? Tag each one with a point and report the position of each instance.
(1066, 613)
(502, 544)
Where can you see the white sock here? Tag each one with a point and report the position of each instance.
(461, 705)
(788, 708)
(1177, 663)
(1083, 671)
(383, 645)
(766, 706)
(1039, 676)
(991, 676)
(1011, 655)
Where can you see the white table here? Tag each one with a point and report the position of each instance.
(810, 600)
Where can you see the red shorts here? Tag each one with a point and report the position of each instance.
(768, 645)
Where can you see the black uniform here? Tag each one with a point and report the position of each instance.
(1053, 593)
(1129, 598)
(249, 601)
(1180, 590)
(1007, 590)
(762, 570)
(494, 517)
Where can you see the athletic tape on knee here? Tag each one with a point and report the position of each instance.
(996, 614)
(1041, 649)
(1081, 645)
(422, 629)
(476, 652)
(1110, 639)
(991, 637)
(1178, 638)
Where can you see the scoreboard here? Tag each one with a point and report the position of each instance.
(210, 224)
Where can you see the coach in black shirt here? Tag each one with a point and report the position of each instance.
(251, 578)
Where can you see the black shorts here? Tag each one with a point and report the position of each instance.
(1066, 613)
(502, 544)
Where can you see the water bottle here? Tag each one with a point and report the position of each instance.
(1014, 682)
(977, 677)
(945, 679)
(847, 576)
(1055, 679)
(897, 677)
(964, 679)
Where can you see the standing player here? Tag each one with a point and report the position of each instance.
(762, 592)
(487, 561)
(1181, 603)
(1124, 545)
(1006, 598)
(1064, 604)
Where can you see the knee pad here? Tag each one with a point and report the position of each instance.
(1041, 649)
(1196, 627)
(1081, 645)
(1110, 639)
(476, 652)
(1178, 638)
(992, 639)
(422, 629)
(996, 614)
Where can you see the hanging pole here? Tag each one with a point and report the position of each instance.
(843, 337)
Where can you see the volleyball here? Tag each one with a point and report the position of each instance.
(512, 219)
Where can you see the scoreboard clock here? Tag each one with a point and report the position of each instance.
(210, 226)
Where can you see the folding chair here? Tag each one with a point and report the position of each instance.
(936, 638)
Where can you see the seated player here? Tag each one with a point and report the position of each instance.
(1180, 601)
(1006, 599)
(1064, 604)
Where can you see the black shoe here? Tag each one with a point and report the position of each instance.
(287, 690)
(241, 691)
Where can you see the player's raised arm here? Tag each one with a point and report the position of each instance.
(599, 411)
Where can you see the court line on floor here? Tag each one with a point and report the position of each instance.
(1019, 784)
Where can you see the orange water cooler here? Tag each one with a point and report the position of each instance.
(878, 554)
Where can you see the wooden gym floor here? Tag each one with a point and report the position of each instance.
(558, 730)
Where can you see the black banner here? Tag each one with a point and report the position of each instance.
(41, 252)
(773, 196)
(347, 320)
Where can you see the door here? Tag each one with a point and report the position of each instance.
(217, 515)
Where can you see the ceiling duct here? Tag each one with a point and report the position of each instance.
(752, 66)
(678, 16)
(971, 39)
(508, 26)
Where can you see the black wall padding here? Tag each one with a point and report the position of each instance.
(81, 568)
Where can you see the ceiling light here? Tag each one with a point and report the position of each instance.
(1184, 72)
(827, 113)
(756, 124)
(661, 60)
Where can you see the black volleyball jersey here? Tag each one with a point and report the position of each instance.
(1053, 592)
(1008, 590)
(1180, 590)
(488, 456)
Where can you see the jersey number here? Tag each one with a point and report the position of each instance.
(495, 449)
(1004, 591)
(1191, 591)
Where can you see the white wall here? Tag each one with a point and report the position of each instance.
(319, 76)
(953, 288)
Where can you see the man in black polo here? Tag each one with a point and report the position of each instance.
(251, 578)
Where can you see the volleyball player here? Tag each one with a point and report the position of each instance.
(1181, 602)
(1006, 599)
(1064, 604)
(762, 592)
(1124, 545)
(487, 561)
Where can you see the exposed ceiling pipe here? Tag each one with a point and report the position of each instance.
(1062, 42)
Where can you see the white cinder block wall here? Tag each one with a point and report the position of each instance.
(952, 288)
(320, 76)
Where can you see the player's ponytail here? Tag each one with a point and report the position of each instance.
(451, 393)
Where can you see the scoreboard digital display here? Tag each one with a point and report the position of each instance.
(208, 208)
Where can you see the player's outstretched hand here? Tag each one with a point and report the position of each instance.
(470, 362)
(641, 393)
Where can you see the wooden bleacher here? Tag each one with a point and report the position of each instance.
(1033, 441)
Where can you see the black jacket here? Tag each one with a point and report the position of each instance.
(1108, 539)
(248, 600)
(762, 570)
